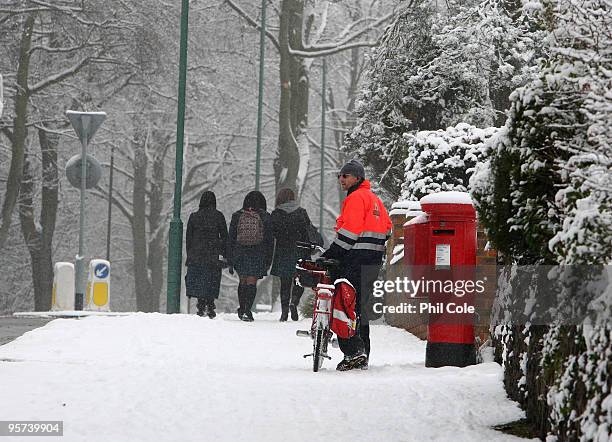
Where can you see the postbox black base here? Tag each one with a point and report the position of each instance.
(440, 354)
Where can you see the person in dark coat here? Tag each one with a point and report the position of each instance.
(290, 223)
(249, 249)
(206, 243)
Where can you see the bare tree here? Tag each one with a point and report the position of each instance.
(302, 36)
(81, 43)
(57, 42)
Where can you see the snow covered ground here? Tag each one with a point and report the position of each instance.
(156, 377)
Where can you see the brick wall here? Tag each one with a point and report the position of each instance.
(417, 323)
(414, 323)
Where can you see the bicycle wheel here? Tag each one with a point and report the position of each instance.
(317, 354)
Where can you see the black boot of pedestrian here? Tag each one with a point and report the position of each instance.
(285, 295)
(211, 309)
(240, 309)
(296, 295)
(202, 307)
(250, 292)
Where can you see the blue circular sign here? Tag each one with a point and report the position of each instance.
(101, 270)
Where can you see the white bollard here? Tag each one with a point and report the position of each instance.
(62, 297)
(97, 295)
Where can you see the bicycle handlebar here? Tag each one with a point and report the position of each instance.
(309, 245)
(320, 264)
(328, 262)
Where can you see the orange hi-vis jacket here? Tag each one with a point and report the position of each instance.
(363, 224)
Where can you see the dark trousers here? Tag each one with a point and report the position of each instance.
(290, 292)
(362, 278)
(358, 343)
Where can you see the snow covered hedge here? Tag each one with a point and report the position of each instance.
(442, 160)
(544, 193)
(542, 183)
(436, 68)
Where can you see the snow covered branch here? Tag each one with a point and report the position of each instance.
(56, 78)
(252, 22)
(345, 43)
(335, 50)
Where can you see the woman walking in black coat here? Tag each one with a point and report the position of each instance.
(290, 223)
(206, 242)
(249, 249)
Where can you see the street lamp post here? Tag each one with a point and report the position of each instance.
(110, 203)
(262, 47)
(323, 109)
(85, 125)
(175, 246)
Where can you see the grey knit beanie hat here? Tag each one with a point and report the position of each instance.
(353, 167)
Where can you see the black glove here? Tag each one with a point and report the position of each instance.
(230, 269)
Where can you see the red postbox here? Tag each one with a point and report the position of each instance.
(440, 250)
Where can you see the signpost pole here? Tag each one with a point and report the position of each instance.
(79, 280)
(85, 125)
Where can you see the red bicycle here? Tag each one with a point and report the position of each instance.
(316, 275)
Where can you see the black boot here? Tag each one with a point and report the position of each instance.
(202, 307)
(296, 295)
(284, 314)
(358, 360)
(250, 292)
(285, 294)
(294, 312)
(241, 302)
(211, 309)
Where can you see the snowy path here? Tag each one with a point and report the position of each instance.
(155, 377)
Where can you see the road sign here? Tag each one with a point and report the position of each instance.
(101, 270)
(92, 174)
(86, 124)
(97, 296)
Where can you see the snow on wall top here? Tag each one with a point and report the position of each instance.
(447, 198)
(411, 205)
(406, 208)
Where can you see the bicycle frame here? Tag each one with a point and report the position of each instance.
(324, 301)
(320, 330)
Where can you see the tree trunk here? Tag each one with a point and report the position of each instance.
(157, 249)
(293, 108)
(142, 285)
(48, 214)
(39, 239)
(346, 123)
(19, 130)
